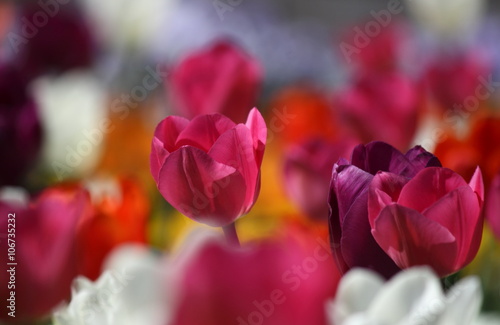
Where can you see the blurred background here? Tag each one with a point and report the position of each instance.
(83, 84)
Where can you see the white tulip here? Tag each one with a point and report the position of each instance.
(412, 297)
(134, 290)
(73, 110)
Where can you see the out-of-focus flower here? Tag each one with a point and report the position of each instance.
(121, 210)
(307, 172)
(219, 79)
(209, 168)
(352, 242)
(432, 219)
(453, 78)
(382, 107)
(128, 25)
(44, 242)
(448, 18)
(479, 148)
(413, 296)
(62, 43)
(299, 113)
(134, 290)
(73, 111)
(268, 282)
(379, 53)
(20, 130)
(492, 206)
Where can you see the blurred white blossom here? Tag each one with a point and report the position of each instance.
(412, 297)
(134, 290)
(129, 24)
(73, 111)
(447, 18)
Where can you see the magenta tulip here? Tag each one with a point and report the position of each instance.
(307, 172)
(209, 168)
(432, 219)
(42, 238)
(492, 206)
(221, 79)
(269, 283)
(352, 242)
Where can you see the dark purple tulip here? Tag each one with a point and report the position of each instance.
(62, 43)
(20, 130)
(352, 242)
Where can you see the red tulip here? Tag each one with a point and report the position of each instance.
(221, 79)
(307, 170)
(432, 219)
(45, 251)
(382, 107)
(492, 206)
(271, 282)
(209, 168)
(120, 213)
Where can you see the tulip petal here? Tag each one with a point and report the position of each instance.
(235, 148)
(463, 302)
(428, 186)
(257, 126)
(168, 131)
(355, 293)
(421, 158)
(384, 189)
(358, 246)
(157, 157)
(477, 185)
(411, 239)
(348, 183)
(204, 130)
(459, 212)
(379, 156)
(406, 296)
(202, 188)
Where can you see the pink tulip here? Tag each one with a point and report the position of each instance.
(382, 107)
(209, 168)
(268, 283)
(432, 219)
(492, 206)
(221, 79)
(45, 251)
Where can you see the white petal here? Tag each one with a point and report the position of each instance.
(354, 294)
(463, 302)
(406, 296)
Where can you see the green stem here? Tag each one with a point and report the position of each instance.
(231, 235)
